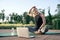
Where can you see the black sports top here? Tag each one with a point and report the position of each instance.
(38, 21)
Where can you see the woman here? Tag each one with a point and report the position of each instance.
(39, 21)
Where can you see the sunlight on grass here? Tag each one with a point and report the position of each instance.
(16, 24)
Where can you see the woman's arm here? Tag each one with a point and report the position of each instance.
(44, 22)
(31, 9)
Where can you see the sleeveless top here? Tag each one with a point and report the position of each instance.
(38, 21)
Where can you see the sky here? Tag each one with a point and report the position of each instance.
(20, 6)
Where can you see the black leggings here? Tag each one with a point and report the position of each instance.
(32, 29)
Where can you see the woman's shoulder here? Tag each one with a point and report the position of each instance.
(41, 15)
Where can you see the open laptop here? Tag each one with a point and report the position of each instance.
(24, 32)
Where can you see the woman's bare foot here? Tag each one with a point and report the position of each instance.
(38, 32)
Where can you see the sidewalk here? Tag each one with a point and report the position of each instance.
(38, 37)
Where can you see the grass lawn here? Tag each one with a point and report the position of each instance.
(9, 26)
(16, 24)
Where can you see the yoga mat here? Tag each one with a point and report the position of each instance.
(52, 33)
(15, 34)
(7, 34)
(31, 34)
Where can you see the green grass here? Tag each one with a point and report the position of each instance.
(9, 26)
(16, 24)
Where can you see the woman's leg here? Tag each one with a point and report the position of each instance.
(31, 29)
(45, 29)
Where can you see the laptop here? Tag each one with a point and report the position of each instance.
(24, 32)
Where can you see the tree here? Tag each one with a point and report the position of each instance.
(56, 20)
(21, 19)
(2, 14)
(24, 14)
(12, 17)
(27, 18)
(50, 17)
(41, 11)
(24, 17)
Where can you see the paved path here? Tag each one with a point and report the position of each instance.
(38, 37)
